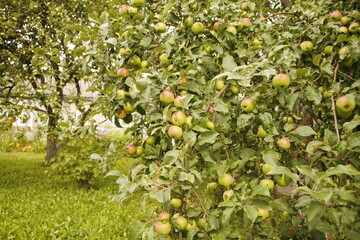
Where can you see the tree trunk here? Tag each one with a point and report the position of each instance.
(52, 147)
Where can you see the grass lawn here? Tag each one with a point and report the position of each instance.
(36, 205)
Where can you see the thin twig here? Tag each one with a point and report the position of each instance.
(333, 105)
(346, 75)
(200, 201)
(219, 94)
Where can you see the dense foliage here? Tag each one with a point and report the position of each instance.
(201, 78)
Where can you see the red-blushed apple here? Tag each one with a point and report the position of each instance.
(122, 114)
(175, 202)
(162, 228)
(281, 81)
(245, 6)
(267, 183)
(216, 25)
(175, 132)
(264, 214)
(181, 222)
(160, 27)
(163, 216)
(247, 105)
(344, 106)
(228, 194)
(166, 97)
(130, 149)
(239, 25)
(307, 46)
(354, 27)
(344, 30)
(226, 180)
(246, 22)
(123, 72)
(124, 9)
(266, 168)
(231, 29)
(197, 28)
(178, 102)
(335, 15)
(284, 143)
(178, 118)
(345, 51)
(183, 81)
(261, 133)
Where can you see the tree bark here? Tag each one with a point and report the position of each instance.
(52, 147)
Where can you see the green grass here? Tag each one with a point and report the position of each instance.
(37, 205)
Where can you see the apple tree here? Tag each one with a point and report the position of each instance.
(244, 115)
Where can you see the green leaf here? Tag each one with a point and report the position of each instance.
(191, 233)
(220, 106)
(271, 157)
(228, 63)
(227, 216)
(316, 59)
(293, 100)
(266, 119)
(308, 171)
(348, 126)
(207, 137)
(340, 169)
(251, 212)
(353, 142)
(260, 190)
(315, 209)
(313, 94)
(136, 229)
(284, 170)
(190, 138)
(145, 41)
(313, 145)
(137, 169)
(112, 41)
(244, 120)
(304, 131)
(171, 156)
(326, 67)
(324, 227)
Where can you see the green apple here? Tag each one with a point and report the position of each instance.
(120, 94)
(344, 30)
(201, 222)
(267, 183)
(189, 21)
(162, 228)
(283, 181)
(197, 28)
(344, 20)
(175, 202)
(141, 84)
(139, 150)
(178, 118)
(175, 132)
(178, 102)
(256, 42)
(210, 125)
(123, 72)
(345, 51)
(284, 143)
(266, 168)
(129, 108)
(228, 194)
(231, 29)
(234, 89)
(226, 180)
(122, 114)
(264, 214)
(189, 122)
(211, 187)
(124, 9)
(191, 225)
(328, 94)
(261, 133)
(167, 97)
(354, 27)
(284, 214)
(181, 222)
(335, 15)
(144, 64)
(130, 149)
(138, 2)
(345, 106)
(133, 10)
(329, 49)
(306, 46)
(160, 27)
(219, 84)
(150, 140)
(163, 216)
(288, 119)
(281, 81)
(247, 105)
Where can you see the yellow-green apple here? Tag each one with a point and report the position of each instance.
(189, 122)
(228, 194)
(344, 30)
(144, 63)
(307, 46)
(211, 187)
(175, 202)
(150, 140)
(344, 20)
(133, 10)
(191, 225)
(219, 84)
(344, 106)
(231, 29)
(181, 222)
(160, 27)
(178, 118)
(189, 21)
(261, 133)
(234, 89)
(139, 150)
(284, 143)
(354, 27)
(281, 81)
(175, 132)
(288, 119)
(167, 97)
(129, 107)
(226, 180)
(210, 125)
(266, 168)
(121, 94)
(163, 216)
(267, 183)
(246, 22)
(329, 49)
(247, 105)
(283, 181)
(197, 28)
(264, 214)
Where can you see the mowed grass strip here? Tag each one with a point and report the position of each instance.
(37, 205)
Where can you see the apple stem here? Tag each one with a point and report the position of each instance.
(333, 105)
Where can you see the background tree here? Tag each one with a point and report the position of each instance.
(230, 103)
